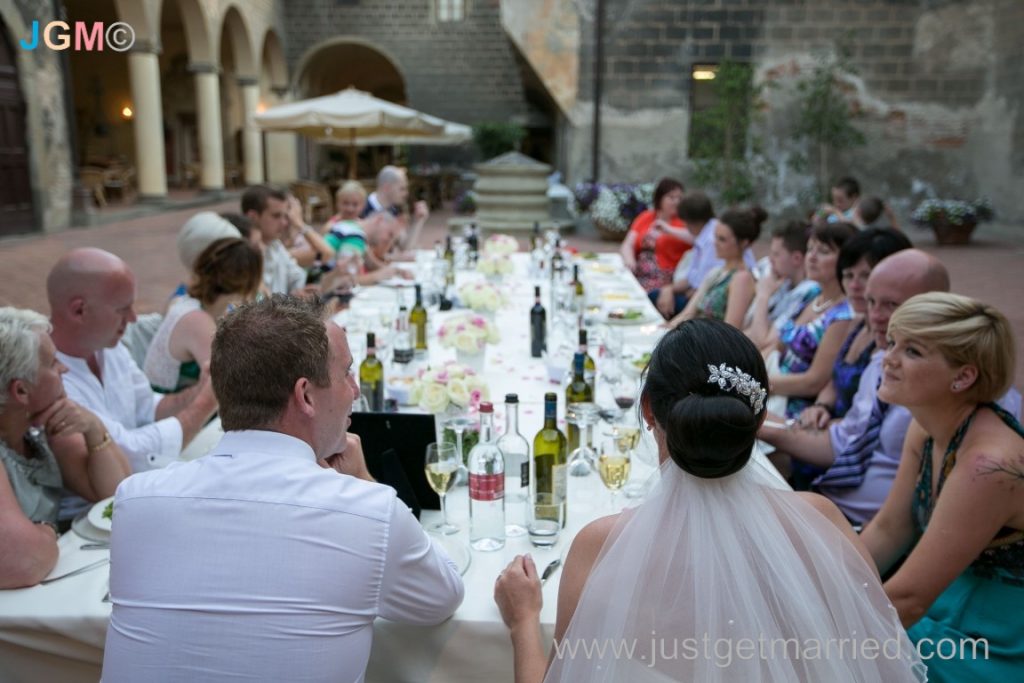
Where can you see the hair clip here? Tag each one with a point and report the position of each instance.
(734, 379)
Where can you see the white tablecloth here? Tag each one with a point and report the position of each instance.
(56, 632)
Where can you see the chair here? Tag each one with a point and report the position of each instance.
(91, 178)
(315, 200)
(120, 179)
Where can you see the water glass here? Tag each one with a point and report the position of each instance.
(545, 515)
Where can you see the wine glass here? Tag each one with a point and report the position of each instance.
(459, 423)
(613, 465)
(625, 394)
(441, 465)
(584, 416)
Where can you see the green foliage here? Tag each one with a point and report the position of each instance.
(719, 138)
(493, 138)
(825, 121)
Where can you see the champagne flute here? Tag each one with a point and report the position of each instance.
(613, 465)
(441, 465)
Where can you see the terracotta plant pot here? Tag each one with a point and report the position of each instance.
(947, 232)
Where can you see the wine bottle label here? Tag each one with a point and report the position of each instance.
(486, 486)
(558, 476)
(524, 473)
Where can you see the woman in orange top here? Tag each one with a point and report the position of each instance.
(655, 243)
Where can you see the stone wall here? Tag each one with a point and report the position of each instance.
(464, 71)
(938, 85)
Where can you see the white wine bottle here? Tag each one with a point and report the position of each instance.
(578, 391)
(371, 376)
(418, 320)
(549, 460)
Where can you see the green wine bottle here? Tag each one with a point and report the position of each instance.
(418, 320)
(371, 376)
(549, 458)
(578, 391)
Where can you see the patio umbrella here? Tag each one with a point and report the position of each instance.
(353, 117)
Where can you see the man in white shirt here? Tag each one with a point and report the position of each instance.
(267, 208)
(391, 195)
(270, 558)
(92, 294)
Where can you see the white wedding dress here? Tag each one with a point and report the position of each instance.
(731, 579)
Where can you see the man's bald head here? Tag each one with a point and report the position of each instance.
(895, 279)
(91, 294)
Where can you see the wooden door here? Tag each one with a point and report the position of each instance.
(16, 213)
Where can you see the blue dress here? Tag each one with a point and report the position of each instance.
(985, 602)
(801, 343)
(846, 376)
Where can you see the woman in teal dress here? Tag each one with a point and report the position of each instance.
(727, 291)
(956, 503)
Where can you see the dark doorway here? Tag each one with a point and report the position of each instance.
(16, 214)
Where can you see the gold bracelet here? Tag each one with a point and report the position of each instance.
(101, 445)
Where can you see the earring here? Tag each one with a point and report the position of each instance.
(956, 386)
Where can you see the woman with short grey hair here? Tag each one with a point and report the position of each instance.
(47, 443)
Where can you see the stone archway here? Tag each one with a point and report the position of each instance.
(240, 97)
(341, 63)
(338, 64)
(281, 163)
(17, 213)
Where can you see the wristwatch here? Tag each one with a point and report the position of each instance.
(56, 531)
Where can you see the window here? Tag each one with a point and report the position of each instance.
(450, 10)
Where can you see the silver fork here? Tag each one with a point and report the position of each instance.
(77, 571)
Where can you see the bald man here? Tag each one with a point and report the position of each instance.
(92, 294)
(860, 455)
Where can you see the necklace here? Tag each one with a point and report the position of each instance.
(819, 307)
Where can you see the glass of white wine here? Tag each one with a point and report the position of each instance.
(613, 465)
(442, 463)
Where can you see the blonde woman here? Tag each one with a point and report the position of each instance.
(956, 503)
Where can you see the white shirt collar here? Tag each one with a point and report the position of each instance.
(265, 442)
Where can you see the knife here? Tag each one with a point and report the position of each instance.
(86, 568)
(549, 570)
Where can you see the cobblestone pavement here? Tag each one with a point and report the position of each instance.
(989, 269)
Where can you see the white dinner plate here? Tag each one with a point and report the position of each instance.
(644, 319)
(96, 517)
(457, 549)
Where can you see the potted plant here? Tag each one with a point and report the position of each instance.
(613, 207)
(953, 220)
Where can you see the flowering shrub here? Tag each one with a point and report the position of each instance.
(500, 245)
(468, 333)
(614, 206)
(490, 265)
(452, 383)
(481, 297)
(956, 211)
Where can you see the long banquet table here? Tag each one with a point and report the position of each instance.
(56, 632)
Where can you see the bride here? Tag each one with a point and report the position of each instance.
(719, 575)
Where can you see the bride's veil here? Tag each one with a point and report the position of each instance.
(731, 579)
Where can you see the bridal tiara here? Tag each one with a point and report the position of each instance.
(734, 379)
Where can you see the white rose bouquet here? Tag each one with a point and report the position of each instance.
(500, 245)
(482, 297)
(435, 390)
(495, 265)
(468, 333)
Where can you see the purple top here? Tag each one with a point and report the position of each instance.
(862, 503)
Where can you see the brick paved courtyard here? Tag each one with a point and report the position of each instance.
(989, 269)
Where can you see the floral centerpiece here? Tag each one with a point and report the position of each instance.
(450, 390)
(613, 207)
(953, 220)
(495, 267)
(501, 245)
(482, 297)
(468, 333)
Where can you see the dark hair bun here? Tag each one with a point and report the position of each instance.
(711, 436)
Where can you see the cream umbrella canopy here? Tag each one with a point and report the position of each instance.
(352, 117)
